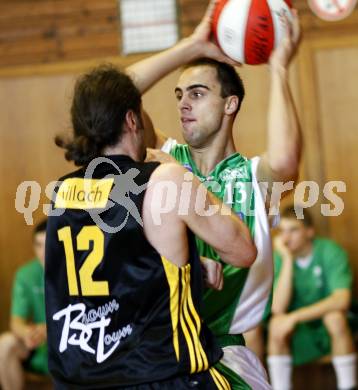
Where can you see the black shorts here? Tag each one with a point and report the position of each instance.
(207, 380)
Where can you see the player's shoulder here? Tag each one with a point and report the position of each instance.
(28, 269)
(76, 173)
(170, 171)
(173, 147)
(326, 243)
(328, 248)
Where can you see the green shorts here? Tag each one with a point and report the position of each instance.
(309, 342)
(37, 361)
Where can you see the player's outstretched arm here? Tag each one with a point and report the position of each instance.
(284, 141)
(147, 72)
(175, 200)
(339, 300)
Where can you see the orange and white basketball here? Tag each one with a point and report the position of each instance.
(248, 30)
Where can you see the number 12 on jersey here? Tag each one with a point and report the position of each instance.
(89, 287)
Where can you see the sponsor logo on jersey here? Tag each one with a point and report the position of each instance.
(188, 167)
(317, 272)
(79, 193)
(234, 173)
(87, 331)
(241, 215)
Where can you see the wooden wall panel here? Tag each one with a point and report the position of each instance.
(32, 111)
(57, 30)
(34, 104)
(47, 31)
(337, 82)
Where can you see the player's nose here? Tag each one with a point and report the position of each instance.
(184, 104)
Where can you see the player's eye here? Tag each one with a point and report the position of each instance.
(196, 94)
(178, 96)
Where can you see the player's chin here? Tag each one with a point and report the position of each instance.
(192, 137)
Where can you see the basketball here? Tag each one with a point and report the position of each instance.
(248, 30)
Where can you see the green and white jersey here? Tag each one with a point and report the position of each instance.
(315, 278)
(240, 306)
(325, 271)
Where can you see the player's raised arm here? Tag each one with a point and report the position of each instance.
(147, 72)
(175, 200)
(281, 159)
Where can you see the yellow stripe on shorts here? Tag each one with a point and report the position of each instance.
(220, 381)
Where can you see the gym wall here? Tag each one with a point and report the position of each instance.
(44, 46)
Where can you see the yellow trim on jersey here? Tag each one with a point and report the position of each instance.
(202, 355)
(220, 381)
(183, 311)
(172, 273)
(83, 194)
(183, 320)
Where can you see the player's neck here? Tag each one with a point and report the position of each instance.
(207, 156)
(305, 250)
(122, 148)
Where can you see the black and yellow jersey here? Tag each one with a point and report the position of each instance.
(118, 313)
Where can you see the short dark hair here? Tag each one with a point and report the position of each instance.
(230, 81)
(40, 227)
(292, 211)
(100, 103)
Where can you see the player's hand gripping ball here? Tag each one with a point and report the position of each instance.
(248, 30)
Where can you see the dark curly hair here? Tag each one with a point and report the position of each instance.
(101, 100)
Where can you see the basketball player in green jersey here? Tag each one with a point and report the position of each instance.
(312, 294)
(209, 96)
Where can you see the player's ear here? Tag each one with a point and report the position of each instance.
(130, 121)
(310, 232)
(231, 105)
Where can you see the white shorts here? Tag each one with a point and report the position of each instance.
(247, 366)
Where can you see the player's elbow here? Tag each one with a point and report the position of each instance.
(285, 167)
(286, 170)
(244, 254)
(342, 299)
(277, 309)
(251, 254)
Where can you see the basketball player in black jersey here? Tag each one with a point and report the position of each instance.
(122, 276)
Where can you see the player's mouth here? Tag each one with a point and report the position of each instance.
(186, 121)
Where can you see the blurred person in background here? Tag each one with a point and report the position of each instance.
(24, 346)
(312, 293)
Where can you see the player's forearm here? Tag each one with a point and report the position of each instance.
(283, 291)
(217, 225)
(19, 327)
(337, 301)
(236, 246)
(284, 132)
(234, 243)
(147, 72)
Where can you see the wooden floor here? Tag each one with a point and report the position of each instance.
(37, 382)
(318, 376)
(314, 377)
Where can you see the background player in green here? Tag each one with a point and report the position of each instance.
(27, 336)
(209, 96)
(311, 297)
